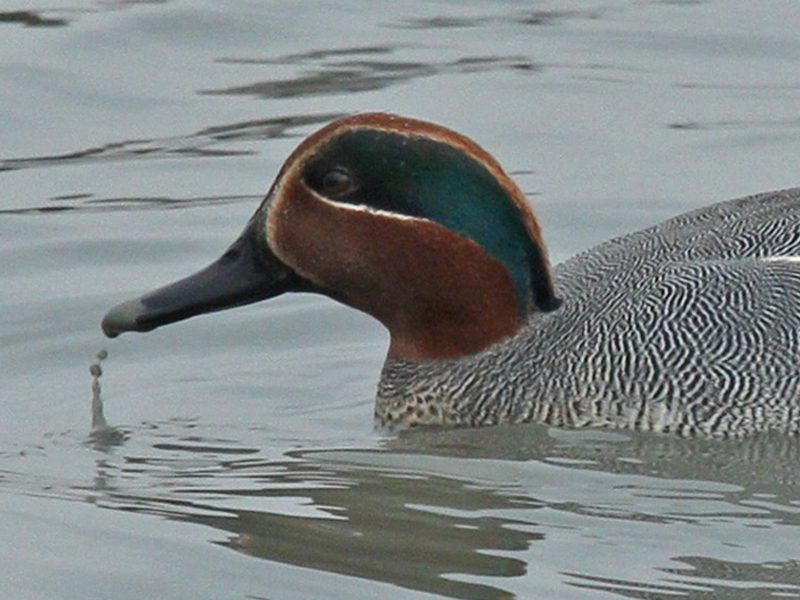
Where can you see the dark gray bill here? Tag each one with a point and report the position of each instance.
(248, 272)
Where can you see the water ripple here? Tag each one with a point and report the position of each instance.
(367, 75)
(30, 18)
(203, 143)
(86, 203)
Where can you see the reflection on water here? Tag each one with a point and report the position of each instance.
(311, 55)
(30, 19)
(461, 513)
(774, 124)
(351, 76)
(529, 17)
(317, 513)
(371, 514)
(86, 203)
(338, 518)
(210, 142)
(770, 460)
(201, 144)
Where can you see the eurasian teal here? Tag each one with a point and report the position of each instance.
(691, 326)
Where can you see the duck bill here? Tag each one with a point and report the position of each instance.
(248, 272)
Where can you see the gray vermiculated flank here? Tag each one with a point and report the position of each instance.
(691, 326)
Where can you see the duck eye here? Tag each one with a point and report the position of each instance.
(336, 181)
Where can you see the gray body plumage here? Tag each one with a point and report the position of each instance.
(691, 326)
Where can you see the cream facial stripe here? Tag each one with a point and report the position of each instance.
(368, 209)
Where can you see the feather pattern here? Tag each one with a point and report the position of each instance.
(691, 326)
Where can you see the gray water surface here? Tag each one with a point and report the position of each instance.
(136, 138)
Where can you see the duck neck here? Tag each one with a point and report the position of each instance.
(442, 305)
(451, 330)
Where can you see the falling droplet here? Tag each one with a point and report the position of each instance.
(101, 432)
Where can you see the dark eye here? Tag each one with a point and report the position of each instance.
(336, 181)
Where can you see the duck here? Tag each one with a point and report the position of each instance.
(689, 327)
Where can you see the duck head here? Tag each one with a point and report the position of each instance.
(405, 220)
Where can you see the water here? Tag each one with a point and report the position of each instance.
(136, 139)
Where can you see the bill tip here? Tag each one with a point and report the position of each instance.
(122, 318)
